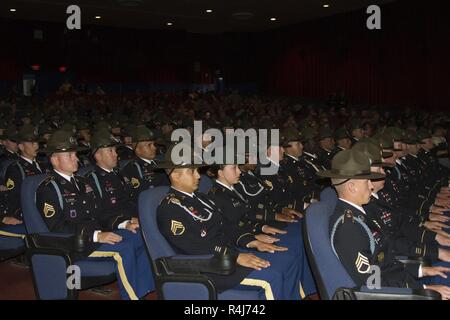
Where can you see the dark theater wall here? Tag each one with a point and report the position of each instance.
(407, 62)
(115, 56)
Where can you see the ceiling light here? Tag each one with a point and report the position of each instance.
(209, 11)
(12, 10)
(169, 23)
(326, 5)
(98, 17)
(273, 19)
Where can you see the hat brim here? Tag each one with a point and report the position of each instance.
(387, 154)
(287, 144)
(335, 175)
(382, 165)
(53, 150)
(109, 145)
(171, 165)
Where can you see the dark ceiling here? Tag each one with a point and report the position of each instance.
(189, 15)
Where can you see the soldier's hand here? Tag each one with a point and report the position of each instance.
(440, 202)
(251, 261)
(11, 221)
(284, 218)
(292, 213)
(445, 190)
(130, 226)
(438, 217)
(443, 290)
(442, 239)
(435, 271)
(108, 237)
(434, 225)
(135, 220)
(444, 255)
(436, 209)
(265, 247)
(271, 230)
(265, 238)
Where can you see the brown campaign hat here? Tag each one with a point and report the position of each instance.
(350, 164)
(62, 141)
(179, 149)
(374, 152)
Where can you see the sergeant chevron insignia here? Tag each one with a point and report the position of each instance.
(135, 183)
(177, 228)
(10, 184)
(362, 263)
(269, 184)
(49, 210)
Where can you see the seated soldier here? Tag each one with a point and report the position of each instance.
(303, 187)
(25, 166)
(236, 208)
(326, 146)
(142, 171)
(258, 194)
(10, 143)
(343, 140)
(357, 241)
(193, 224)
(126, 152)
(79, 214)
(119, 209)
(278, 183)
(409, 238)
(238, 216)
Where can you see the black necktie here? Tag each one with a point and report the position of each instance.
(72, 181)
(36, 166)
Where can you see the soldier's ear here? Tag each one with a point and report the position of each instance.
(351, 187)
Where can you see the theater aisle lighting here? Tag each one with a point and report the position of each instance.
(273, 19)
(326, 5)
(169, 24)
(209, 11)
(98, 17)
(12, 10)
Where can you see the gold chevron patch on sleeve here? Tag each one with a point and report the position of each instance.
(177, 228)
(135, 183)
(362, 263)
(49, 210)
(10, 184)
(269, 184)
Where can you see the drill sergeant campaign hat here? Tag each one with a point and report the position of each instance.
(62, 141)
(375, 154)
(350, 164)
(103, 139)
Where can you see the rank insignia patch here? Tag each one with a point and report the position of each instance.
(362, 263)
(10, 184)
(49, 210)
(135, 183)
(177, 228)
(269, 184)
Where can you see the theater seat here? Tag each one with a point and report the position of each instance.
(329, 196)
(205, 184)
(332, 279)
(49, 265)
(11, 247)
(84, 170)
(171, 285)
